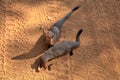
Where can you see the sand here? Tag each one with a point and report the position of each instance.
(97, 58)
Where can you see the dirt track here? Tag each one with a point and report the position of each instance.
(98, 57)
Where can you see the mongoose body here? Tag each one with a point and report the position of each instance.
(59, 50)
(53, 34)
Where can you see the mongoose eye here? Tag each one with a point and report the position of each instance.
(52, 36)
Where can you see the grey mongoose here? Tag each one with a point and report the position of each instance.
(53, 34)
(58, 51)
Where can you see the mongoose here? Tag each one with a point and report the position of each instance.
(58, 50)
(53, 34)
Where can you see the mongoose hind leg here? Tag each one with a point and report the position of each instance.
(49, 46)
(49, 67)
(44, 66)
(71, 53)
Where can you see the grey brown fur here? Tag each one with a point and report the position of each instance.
(53, 34)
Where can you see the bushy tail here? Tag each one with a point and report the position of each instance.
(78, 35)
(61, 21)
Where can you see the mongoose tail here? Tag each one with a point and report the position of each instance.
(77, 43)
(59, 23)
(78, 35)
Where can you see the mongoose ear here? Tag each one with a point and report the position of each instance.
(44, 31)
(52, 35)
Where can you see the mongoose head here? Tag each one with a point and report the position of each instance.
(49, 37)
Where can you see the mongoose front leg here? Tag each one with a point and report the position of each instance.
(44, 66)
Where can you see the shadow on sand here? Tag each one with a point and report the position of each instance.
(38, 49)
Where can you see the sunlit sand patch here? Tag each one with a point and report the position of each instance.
(103, 25)
(86, 40)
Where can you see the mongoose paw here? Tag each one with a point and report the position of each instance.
(49, 67)
(71, 53)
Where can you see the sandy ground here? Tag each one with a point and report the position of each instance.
(98, 57)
